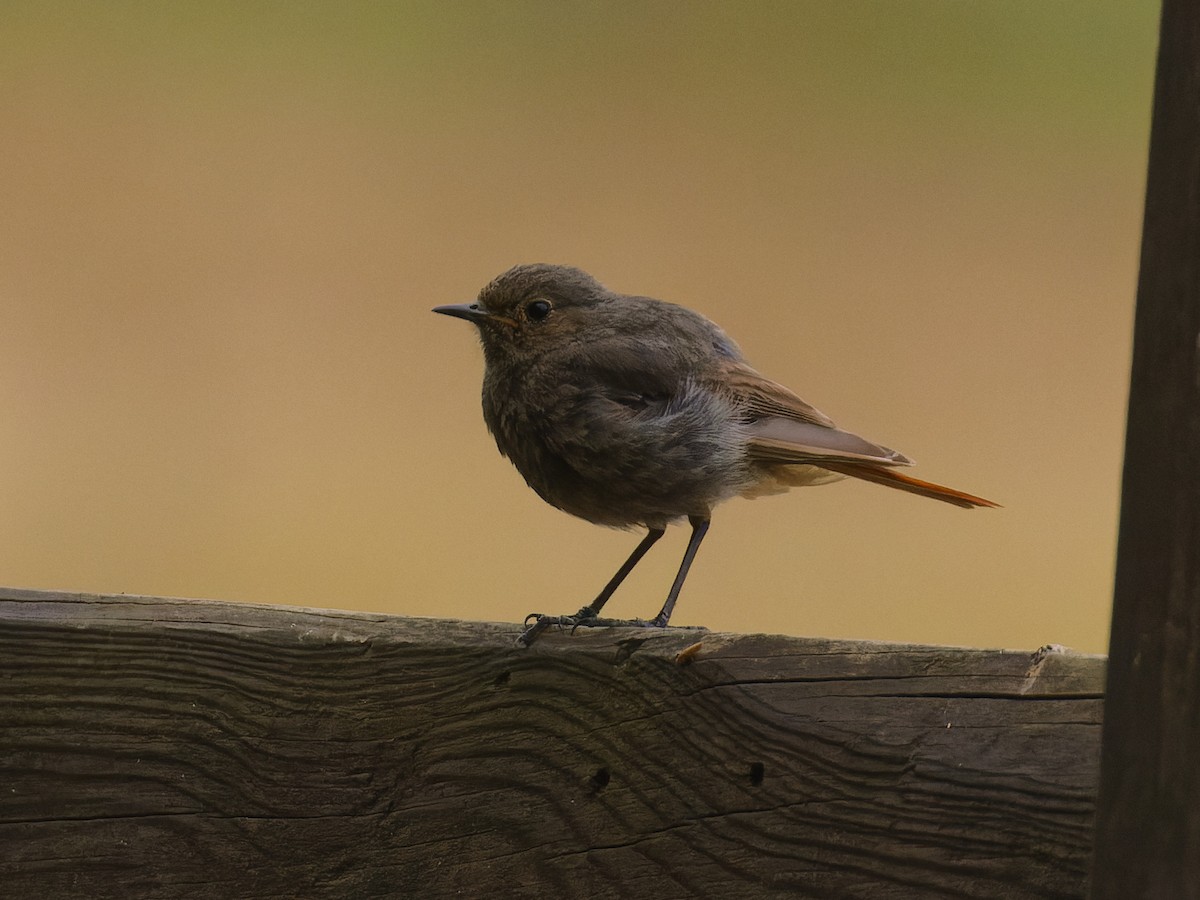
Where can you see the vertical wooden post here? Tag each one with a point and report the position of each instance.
(1148, 818)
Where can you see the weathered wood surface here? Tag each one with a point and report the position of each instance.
(1148, 830)
(173, 748)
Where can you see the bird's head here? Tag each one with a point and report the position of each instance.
(531, 306)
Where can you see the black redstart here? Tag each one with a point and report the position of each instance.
(629, 411)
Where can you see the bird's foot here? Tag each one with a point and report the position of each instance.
(585, 618)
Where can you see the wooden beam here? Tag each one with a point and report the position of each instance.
(1148, 831)
(171, 748)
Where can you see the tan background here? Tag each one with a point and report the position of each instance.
(222, 226)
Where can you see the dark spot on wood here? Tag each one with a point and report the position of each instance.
(626, 649)
(501, 680)
(599, 781)
(756, 773)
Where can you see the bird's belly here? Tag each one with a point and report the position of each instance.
(641, 490)
(622, 470)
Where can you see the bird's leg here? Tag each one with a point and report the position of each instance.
(635, 557)
(699, 529)
(588, 616)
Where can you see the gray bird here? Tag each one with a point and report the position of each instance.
(630, 411)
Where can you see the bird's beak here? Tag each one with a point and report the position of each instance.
(472, 312)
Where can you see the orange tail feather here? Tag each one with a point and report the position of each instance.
(891, 478)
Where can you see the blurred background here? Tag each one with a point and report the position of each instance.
(222, 227)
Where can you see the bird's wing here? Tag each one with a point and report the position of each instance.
(764, 398)
(629, 374)
(777, 440)
(784, 429)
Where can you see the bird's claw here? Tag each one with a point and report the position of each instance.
(585, 618)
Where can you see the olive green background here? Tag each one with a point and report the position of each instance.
(222, 226)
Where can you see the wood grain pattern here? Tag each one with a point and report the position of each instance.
(172, 748)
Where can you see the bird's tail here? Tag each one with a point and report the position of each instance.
(891, 478)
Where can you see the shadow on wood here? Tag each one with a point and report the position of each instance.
(176, 748)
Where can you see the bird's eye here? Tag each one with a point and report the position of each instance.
(537, 310)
